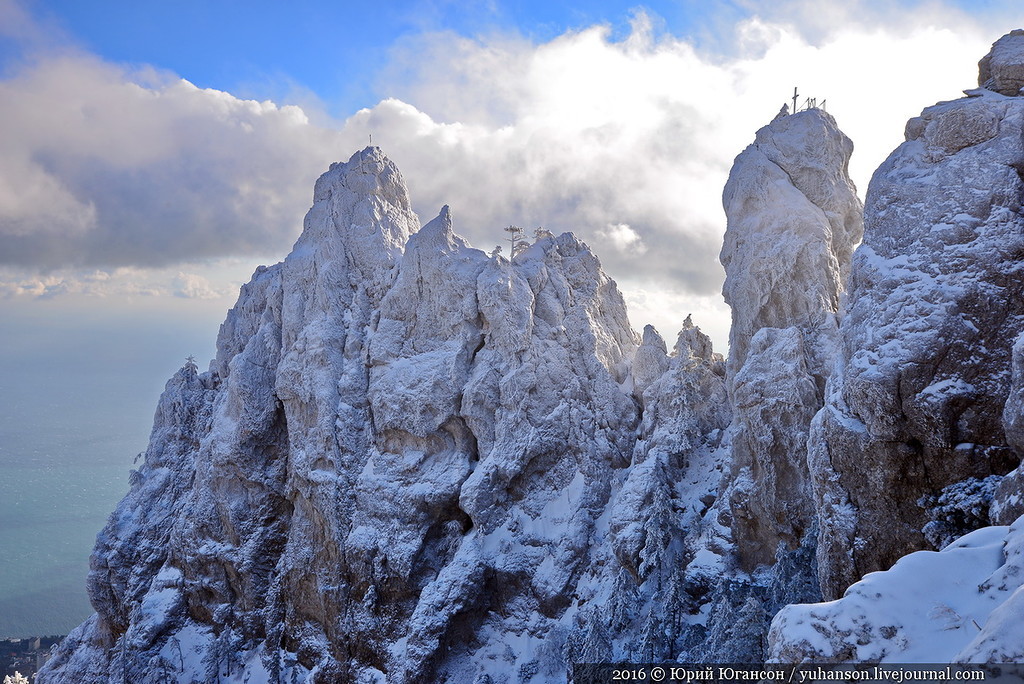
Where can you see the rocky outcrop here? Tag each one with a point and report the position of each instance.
(793, 221)
(414, 462)
(407, 457)
(924, 405)
(1013, 409)
(685, 414)
(668, 547)
(916, 403)
(222, 574)
(1002, 69)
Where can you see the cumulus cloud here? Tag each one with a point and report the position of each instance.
(218, 281)
(627, 142)
(119, 282)
(102, 166)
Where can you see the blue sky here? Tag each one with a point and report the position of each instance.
(333, 49)
(274, 50)
(334, 52)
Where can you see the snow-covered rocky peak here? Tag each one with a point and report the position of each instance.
(692, 343)
(650, 361)
(793, 220)
(354, 233)
(401, 466)
(412, 461)
(1002, 69)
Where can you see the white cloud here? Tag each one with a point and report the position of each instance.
(584, 132)
(195, 286)
(103, 166)
(121, 282)
(624, 238)
(628, 143)
(218, 281)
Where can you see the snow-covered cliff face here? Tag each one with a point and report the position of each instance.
(936, 302)
(208, 557)
(793, 221)
(409, 462)
(961, 605)
(669, 550)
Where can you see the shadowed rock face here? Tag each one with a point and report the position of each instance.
(936, 302)
(1008, 499)
(793, 221)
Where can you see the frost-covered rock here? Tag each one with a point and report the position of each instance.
(936, 300)
(650, 361)
(958, 605)
(402, 465)
(676, 461)
(207, 567)
(1002, 69)
(1013, 410)
(414, 462)
(667, 548)
(793, 220)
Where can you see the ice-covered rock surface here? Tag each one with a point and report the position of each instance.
(793, 221)
(936, 301)
(412, 462)
(959, 605)
(924, 407)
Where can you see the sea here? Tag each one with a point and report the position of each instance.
(78, 390)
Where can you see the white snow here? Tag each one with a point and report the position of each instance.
(930, 607)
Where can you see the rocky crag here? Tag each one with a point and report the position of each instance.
(414, 462)
(924, 409)
(936, 303)
(793, 221)
(409, 462)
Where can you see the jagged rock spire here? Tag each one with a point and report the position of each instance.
(793, 220)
